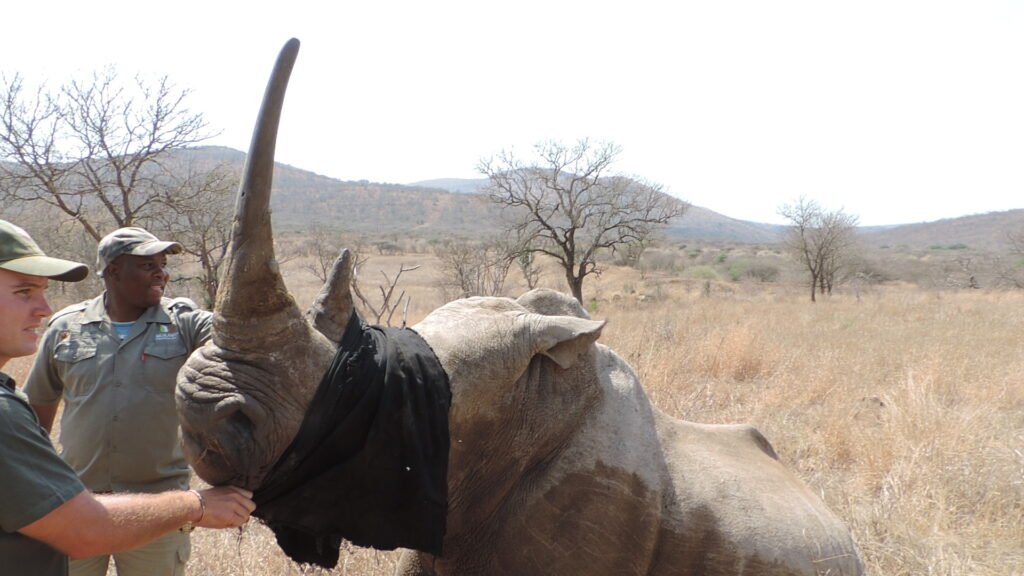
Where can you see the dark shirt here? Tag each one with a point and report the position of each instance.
(35, 482)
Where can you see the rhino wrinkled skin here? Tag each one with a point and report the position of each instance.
(559, 464)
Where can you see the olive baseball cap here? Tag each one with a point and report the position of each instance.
(20, 253)
(134, 241)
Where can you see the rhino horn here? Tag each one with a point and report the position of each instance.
(332, 309)
(254, 309)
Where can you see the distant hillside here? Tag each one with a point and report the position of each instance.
(703, 224)
(449, 206)
(981, 231)
(302, 198)
(456, 185)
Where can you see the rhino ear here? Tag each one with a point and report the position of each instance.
(564, 338)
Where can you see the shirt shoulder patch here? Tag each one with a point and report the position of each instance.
(182, 304)
(68, 310)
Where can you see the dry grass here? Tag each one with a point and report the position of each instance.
(904, 410)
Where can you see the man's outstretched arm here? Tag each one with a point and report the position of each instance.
(90, 524)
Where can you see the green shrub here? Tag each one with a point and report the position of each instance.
(737, 270)
(703, 273)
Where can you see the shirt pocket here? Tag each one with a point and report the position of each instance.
(75, 362)
(74, 350)
(162, 357)
(166, 346)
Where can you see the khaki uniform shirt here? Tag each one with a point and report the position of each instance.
(119, 430)
(33, 482)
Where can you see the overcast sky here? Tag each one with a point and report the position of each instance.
(896, 111)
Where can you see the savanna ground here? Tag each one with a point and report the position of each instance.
(903, 407)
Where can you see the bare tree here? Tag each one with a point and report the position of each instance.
(1016, 242)
(566, 204)
(199, 206)
(475, 268)
(821, 240)
(388, 304)
(322, 246)
(526, 261)
(1009, 271)
(630, 253)
(94, 149)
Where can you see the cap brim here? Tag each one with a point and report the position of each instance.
(153, 248)
(47, 267)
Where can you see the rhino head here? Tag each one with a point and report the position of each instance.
(242, 397)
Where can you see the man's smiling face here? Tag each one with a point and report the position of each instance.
(140, 280)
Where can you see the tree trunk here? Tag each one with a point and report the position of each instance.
(576, 285)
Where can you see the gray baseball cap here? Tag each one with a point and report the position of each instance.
(20, 253)
(134, 241)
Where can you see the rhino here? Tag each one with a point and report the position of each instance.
(557, 464)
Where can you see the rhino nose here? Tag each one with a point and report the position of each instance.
(237, 412)
(235, 421)
(219, 442)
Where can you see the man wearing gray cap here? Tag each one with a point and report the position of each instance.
(46, 514)
(114, 361)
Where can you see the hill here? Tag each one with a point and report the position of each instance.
(702, 224)
(302, 198)
(457, 185)
(979, 231)
(442, 207)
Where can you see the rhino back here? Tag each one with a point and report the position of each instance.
(735, 509)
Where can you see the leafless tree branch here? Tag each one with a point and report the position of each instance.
(566, 204)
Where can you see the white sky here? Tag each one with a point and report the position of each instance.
(897, 111)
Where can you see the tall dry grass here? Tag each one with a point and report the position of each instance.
(904, 409)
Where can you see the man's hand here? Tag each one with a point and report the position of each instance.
(223, 507)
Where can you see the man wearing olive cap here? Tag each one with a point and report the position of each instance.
(113, 360)
(46, 514)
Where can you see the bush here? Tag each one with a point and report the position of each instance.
(703, 273)
(659, 261)
(763, 272)
(737, 270)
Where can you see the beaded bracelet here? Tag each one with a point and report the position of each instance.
(190, 525)
(202, 506)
